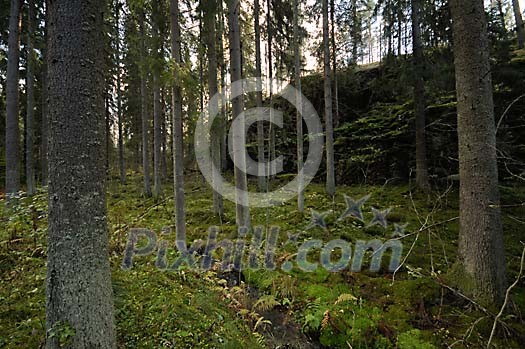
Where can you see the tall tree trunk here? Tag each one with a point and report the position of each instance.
(419, 99)
(299, 121)
(271, 145)
(330, 170)
(12, 129)
(107, 132)
(519, 23)
(334, 63)
(239, 142)
(211, 37)
(481, 252)
(164, 155)
(79, 291)
(261, 178)
(144, 110)
(44, 126)
(157, 122)
(122, 165)
(30, 116)
(157, 136)
(178, 150)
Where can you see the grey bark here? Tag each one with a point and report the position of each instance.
(122, 165)
(157, 122)
(178, 156)
(481, 252)
(144, 110)
(241, 182)
(12, 129)
(299, 121)
(211, 37)
(330, 170)
(78, 284)
(261, 179)
(44, 127)
(271, 145)
(519, 23)
(30, 85)
(334, 63)
(419, 99)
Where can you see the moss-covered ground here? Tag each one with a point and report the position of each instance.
(416, 307)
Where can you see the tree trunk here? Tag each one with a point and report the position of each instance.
(334, 63)
(239, 142)
(12, 129)
(30, 116)
(355, 33)
(211, 36)
(122, 165)
(261, 178)
(419, 99)
(481, 252)
(330, 170)
(157, 122)
(44, 127)
(79, 292)
(178, 156)
(519, 23)
(299, 121)
(144, 110)
(271, 145)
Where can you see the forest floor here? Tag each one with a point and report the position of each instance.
(416, 307)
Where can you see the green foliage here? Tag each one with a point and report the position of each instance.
(412, 340)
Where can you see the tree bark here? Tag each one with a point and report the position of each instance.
(157, 122)
(211, 36)
(330, 170)
(122, 165)
(261, 179)
(79, 291)
(271, 143)
(144, 110)
(334, 63)
(519, 23)
(481, 252)
(299, 116)
(419, 99)
(239, 144)
(12, 129)
(178, 157)
(30, 116)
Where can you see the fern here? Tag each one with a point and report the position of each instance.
(266, 303)
(346, 297)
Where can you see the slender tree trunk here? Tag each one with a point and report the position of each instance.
(271, 150)
(239, 142)
(211, 36)
(122, 165)
(12, 129)
(330, 170)
(222, 63)
(334, 63)
(157, 136)
(30, 116)
(79, 291)
(261, 179)
(157, 122)
(299, 116)
(419, 99)
(44, 126)
(178, 144)
(481, 252)
(144, 110)
(519, 23)
(164, 155)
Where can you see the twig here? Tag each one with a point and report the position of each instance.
(507, 110)
(507, 294)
